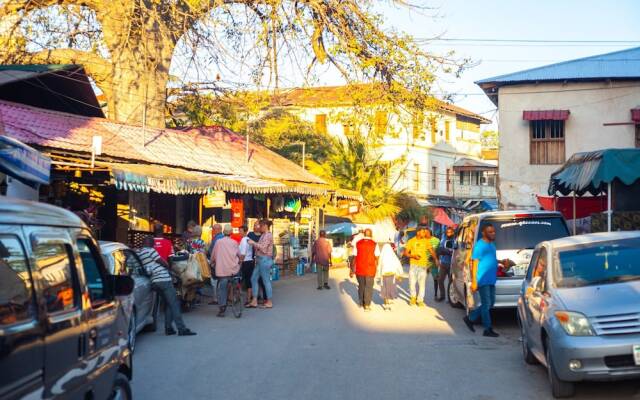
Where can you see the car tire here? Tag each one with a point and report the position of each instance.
(559, 389)
(133, 324)
(527, 355)
(121, 388)
(452, 295)
(155, 313)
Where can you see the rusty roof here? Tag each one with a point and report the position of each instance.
(211, 149)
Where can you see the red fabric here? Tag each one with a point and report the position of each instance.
(585, 206)
(236, 236)
(441, 217)
(635, 115)
(237, 213)
(543, 115)
(366, 257)
(164, 247)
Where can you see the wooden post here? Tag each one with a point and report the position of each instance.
(609, 207)
(574, 213)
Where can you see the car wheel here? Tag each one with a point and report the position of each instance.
(155, 312)
(133, 323)
(453, 295)
(528, 356)
(121, 388)
(559, 389)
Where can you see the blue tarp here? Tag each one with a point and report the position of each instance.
(23, 162)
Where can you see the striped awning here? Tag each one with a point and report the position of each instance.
(635, 115)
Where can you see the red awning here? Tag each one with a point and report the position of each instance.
(585, 206)
(544, 115)
(635, 115)
(440, 216)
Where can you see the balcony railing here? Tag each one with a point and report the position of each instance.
(473, 191)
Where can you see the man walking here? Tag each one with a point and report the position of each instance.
(224, 258)
(216, 234)
(446, 251)
(353, 246)
(417, 250)
(321, 255)
(158, 270)
(484, 269)
(366, 261)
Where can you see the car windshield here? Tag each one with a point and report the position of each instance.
(606, 263)
(526, 233)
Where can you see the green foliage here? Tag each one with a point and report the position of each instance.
(489, 139)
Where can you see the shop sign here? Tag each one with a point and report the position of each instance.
(216, 198)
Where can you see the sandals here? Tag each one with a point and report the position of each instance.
(249, 305)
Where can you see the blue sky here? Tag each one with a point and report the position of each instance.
(504, 19)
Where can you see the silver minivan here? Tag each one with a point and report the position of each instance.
(517, 234)
(579, 309)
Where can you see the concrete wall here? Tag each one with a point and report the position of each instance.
(591, 105)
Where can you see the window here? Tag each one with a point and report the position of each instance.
(16, 291)
(434, 178)
(448, 180)
(447, 130)
(381, 122)
(54, 264)
(134, 266)
(321, 123)
(638, 136)
(461, 174)
(92, 272)
(434, 130)
(416, 177)
(547, 142)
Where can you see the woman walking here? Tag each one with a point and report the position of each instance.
(263, 251)
(390, 270)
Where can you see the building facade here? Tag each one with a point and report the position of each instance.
(548, 113)
(426, 147)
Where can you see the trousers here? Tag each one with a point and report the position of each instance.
(365, 289)
(171, 307)
(323, 274)
(263, 270)
(417, 275)
(487, 300)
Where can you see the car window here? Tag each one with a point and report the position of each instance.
(93, 273)
(134, 266)
(54, 263)
(526, 233)
(16, 292)
(532, 264)
(602, 263)
(119, 263)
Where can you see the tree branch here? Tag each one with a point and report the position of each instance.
(96, 66)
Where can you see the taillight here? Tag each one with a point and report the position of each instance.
(523, 216)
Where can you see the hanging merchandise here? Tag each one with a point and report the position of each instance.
(293, 205)
(278, 204)
(237, 212)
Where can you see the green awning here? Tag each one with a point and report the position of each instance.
(590, 172)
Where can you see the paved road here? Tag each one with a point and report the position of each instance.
(320, 345)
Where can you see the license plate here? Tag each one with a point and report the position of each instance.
(636, 353)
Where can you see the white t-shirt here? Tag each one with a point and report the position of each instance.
(245, 249)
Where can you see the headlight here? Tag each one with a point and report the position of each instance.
(575, 324)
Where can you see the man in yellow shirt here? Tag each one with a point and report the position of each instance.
(418, 250)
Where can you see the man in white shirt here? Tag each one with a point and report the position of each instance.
(354, 250)
(246, 258)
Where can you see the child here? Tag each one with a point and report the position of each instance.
(390, 270)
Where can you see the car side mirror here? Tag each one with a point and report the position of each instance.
(121, 285)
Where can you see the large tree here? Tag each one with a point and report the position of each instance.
(127, 46)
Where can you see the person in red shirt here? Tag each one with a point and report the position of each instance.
(366, 261)
(163, 246)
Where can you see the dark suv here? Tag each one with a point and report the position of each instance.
(63, 333)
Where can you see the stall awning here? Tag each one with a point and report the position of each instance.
(585, 206)
(440, 216)
(635, 115)
(590, 172)
(23, 162)
(545, 115)
(163, 179)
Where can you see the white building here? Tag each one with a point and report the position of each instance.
(546, 114)
(439, 150)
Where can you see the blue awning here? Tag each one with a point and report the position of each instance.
(23, 162)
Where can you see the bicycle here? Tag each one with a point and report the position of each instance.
(234, 295)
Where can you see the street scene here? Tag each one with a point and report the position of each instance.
(319, 199)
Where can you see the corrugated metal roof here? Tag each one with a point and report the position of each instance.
(623, 64)
(213, 149)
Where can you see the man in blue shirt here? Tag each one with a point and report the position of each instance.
(484, 273)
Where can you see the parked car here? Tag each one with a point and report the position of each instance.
(517, 233)
(142, 304)
(62, 327)
(579, 309)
